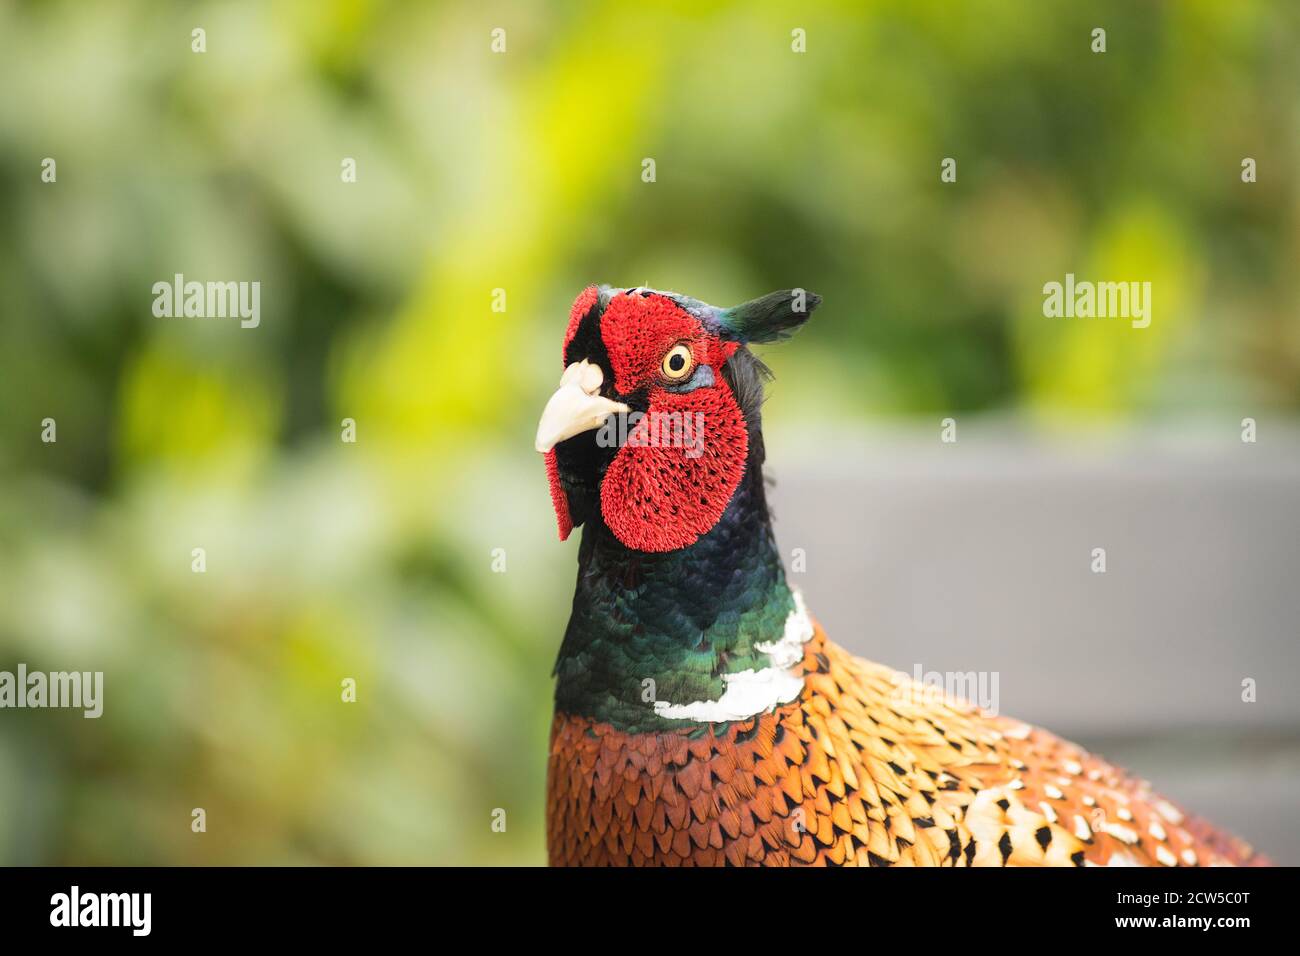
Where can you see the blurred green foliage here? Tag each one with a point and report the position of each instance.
(522, 171)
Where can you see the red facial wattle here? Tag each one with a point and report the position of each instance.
(638, 330)
(673, 476)
(657, 498)
(583, 304)
(587, 298)
(559, 499)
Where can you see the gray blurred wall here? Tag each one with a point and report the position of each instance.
(976, 556)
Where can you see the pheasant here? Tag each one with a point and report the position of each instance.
(702, 716)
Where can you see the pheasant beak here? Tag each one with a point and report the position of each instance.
(577, 406)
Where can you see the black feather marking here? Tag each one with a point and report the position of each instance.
(747, 734)
(745, 373)
(1004, 847)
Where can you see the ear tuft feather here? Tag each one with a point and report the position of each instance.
(770, 318)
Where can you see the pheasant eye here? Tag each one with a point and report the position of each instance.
(678, 363)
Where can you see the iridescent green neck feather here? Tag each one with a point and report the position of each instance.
(680, 619)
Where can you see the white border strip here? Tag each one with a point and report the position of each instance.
(751, 692)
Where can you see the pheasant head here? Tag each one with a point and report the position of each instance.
(651, 427)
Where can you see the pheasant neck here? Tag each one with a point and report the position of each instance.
(704, 634)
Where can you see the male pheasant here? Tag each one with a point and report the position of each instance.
(702, 717)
